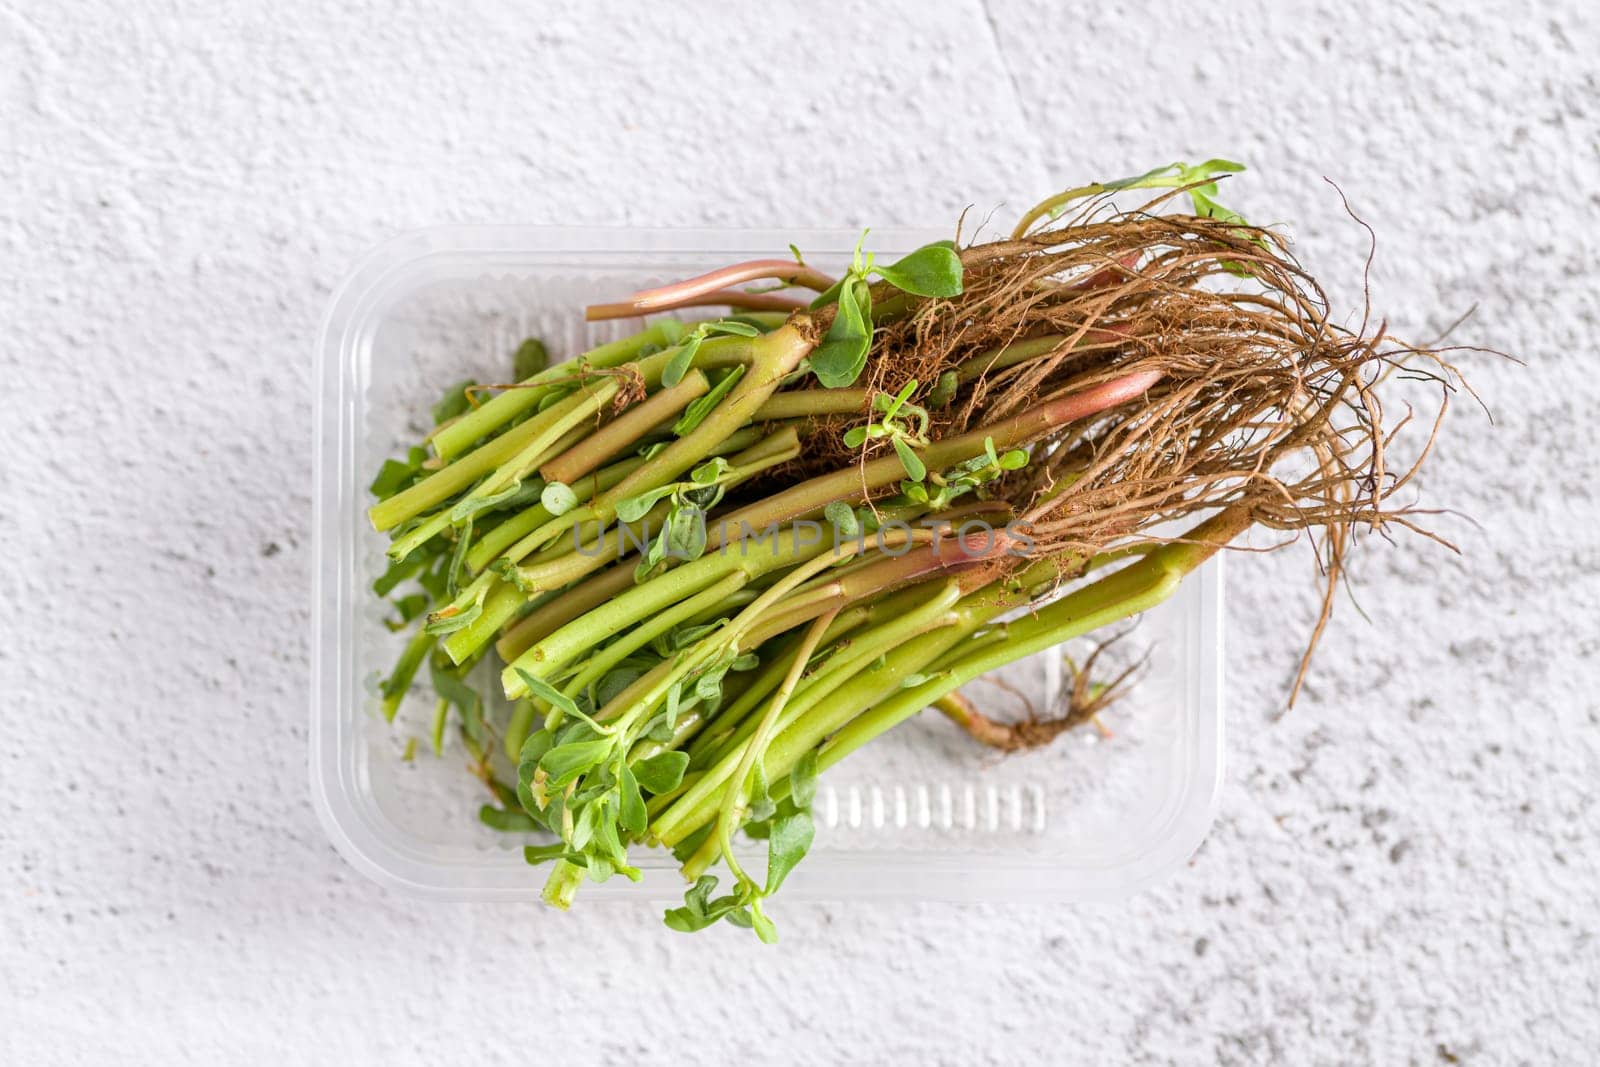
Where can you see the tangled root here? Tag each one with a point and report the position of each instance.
(1264, 402)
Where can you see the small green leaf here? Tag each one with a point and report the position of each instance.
(630, 805)
(674, 699)
(530, 358)
(702, 406)
(731, 326)
(686, 533)
(708, 473)
(916, 470)
(507, 822)
(535, 746)
(558, 499)
(933, 270)
(1214, 166)
(548, 693)
(681, 360)
(662, 772)
(838, 360)
(458, 557)
(944, 390)
(787, 845)
(762, 807)
(696, 913)
(583, 827)
(469, 506)
(1140, 180)
(601, 868)
(891, 407)
(855, 437)
(454, 402)
(533, 750)
(465, 699)
(606, 838)
(843, 518)
(765, 930)
(537, 854)
(409, 608)
(396, 474)
(398, 572)
(613, 684)
(803, 781)
(566, 762)
(635, 508)
(698, 896)
(1013, 460)
(709, 685)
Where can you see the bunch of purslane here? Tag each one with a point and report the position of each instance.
(716, 557)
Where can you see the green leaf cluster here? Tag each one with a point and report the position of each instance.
(788, 828)
(931, 271)
(893, 425)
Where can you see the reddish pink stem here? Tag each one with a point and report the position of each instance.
(733, 298)
(677, 294)
(1108, 275)
(1097, 398)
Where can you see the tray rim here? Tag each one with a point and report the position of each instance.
(355, 306)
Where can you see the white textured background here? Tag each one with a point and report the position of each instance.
(1405, 866)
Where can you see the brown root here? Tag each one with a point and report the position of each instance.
(1086, 699)
(1264, 403)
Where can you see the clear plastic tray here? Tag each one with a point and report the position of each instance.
(922, 813)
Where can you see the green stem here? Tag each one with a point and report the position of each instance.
(561, 888)
(539, 534)
(941, 625)
(574, 411)
(441, 716)
(774, 666)
(502, 600)
(559, 648)
(1129, 591)
(569, 605)
(812, 496)
(522, 716)
(731, 813)
(598, 665)
(624, 430)
(698, 806)
(488, 548)
(405, 671)
(446, 482)
(496, 453)
(564, 427)
(1046, 208)
(772, 356)
(450, 441)
(1007, 356)
(812, 403)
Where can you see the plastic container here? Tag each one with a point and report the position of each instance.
(922, 813)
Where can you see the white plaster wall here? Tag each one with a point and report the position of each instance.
(1405, 866)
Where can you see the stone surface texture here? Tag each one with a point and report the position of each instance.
(1404, 866)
